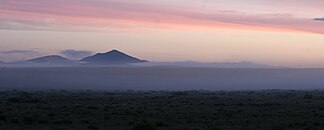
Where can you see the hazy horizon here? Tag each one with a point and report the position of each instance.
(160, 78)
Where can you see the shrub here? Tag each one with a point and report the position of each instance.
(145, 126)
(92, 127)
(308, 96)
(14, 100)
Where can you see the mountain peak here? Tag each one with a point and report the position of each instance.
(115, 52)
(111, 57)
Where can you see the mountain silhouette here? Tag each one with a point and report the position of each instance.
(52, 59)
(111, 57)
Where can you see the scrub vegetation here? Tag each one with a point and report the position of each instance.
(162, 110)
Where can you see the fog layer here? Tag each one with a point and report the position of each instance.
(159, 78)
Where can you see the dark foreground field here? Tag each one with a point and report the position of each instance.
(139, 110)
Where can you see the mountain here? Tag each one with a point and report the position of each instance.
(112, 57)
(207, 65)
(1, 62)
(53, 60)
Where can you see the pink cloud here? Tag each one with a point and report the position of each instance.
(99, 15)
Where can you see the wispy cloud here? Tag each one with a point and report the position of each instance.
(76, 54)
(19, 52)
(98, 15)
(319, 19)
(17, 55)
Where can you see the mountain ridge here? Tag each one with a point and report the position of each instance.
(244, 64)
(118, 58)
(52, 59)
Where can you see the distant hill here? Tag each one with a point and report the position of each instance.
(112, 57)
(208, 65)
(53, 59)
(2, 62)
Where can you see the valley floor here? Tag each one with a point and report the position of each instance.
(162, 110)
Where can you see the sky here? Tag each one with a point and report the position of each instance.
(276, 32)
